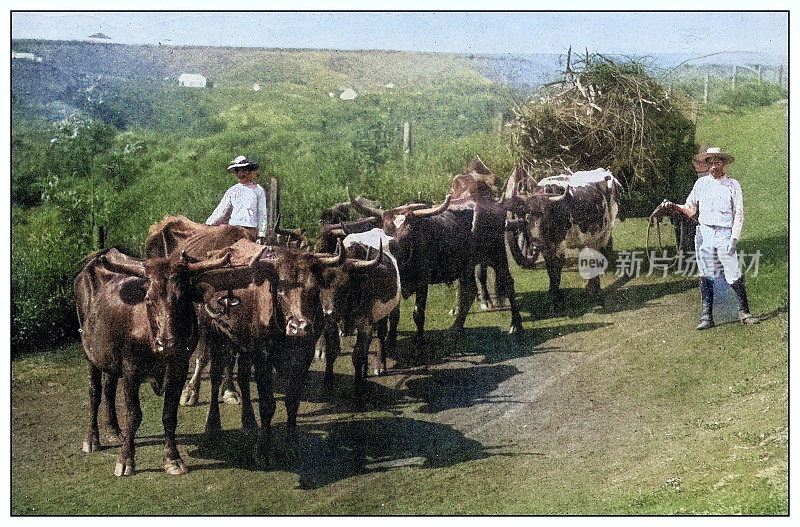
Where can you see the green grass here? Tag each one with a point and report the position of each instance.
(612, 408)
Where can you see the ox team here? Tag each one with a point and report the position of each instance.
(360, 285)
(721, 218)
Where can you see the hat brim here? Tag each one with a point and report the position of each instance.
(704, 157)
(240, 166)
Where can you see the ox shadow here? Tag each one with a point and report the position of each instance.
(490, 344)
(333, 451)
(340, 450)
(446, 389)
(615, 298)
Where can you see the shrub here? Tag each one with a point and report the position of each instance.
(751, 95)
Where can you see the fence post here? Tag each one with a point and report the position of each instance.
(733, 78)
(705, 90)
(98, 237)
(780, 75)
(406, 140)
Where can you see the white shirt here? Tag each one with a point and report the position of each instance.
(244, 205)
(720, 201)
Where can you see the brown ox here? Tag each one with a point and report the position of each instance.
(465, 185)
(197, 240)
(565, 211)
(444, 244)
(364, 292)
(274, 324)
(137, 323)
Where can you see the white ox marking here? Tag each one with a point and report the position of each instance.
(575, 238)
(376, 238)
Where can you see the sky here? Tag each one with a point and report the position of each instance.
(519, 32)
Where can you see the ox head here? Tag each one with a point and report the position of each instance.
(168, 299)
(295, 277)
(400, 218)
(335, 281)
(533, 208)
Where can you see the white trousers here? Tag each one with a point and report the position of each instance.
(715, 253)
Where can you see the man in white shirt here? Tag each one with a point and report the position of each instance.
(719, 199)
(245, 203)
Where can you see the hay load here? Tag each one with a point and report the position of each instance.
(612, 115)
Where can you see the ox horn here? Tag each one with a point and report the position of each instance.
(207, 265)
(431, 212)
(363, 209)
(326, 260)
(360, 265)
(337, 232)
(560, 196)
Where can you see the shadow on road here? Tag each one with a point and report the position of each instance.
(334, 451)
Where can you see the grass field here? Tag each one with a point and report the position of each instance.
(618, 407)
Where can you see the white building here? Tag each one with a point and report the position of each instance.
(192, 80)
(25, 56)
(348, 94)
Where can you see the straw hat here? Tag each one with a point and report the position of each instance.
(714, 153)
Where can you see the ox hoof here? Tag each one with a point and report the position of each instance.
(319, 354)
(175, 467)
(485, 306)
(127, 468)
(189, 398)
(516, 331)
(231, 397)
(91, 445)
(452, 312)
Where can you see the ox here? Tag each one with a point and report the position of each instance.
(565, 211)
(363, 293)
(137, 323)
(274, 324)
(444, 244)
(461, 187)
(197, 240)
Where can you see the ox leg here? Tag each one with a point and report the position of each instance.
(191, 394)
(332, 348)
(245, 371)
(420, 301)
(266, 405)
(110, 399)
(504, 283)
(554, 263)
(131, 419)
(229, 393)
(361, 353)
(213, 422)
(483, 289)
(299, 360)
(394, 321)
(467, 290)
(92, 441)
(176, 374)
(380, 362)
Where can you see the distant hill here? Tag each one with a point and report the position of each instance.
(57, 74)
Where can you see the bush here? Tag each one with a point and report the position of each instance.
(751, 95)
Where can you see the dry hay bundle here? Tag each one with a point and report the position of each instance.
(611, 115)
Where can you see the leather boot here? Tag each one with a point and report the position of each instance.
(744, 307)
(707, 297)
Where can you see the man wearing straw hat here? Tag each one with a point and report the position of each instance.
(245, 203)
(719, 199)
